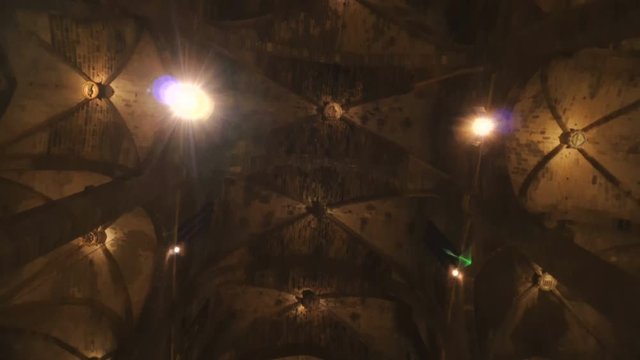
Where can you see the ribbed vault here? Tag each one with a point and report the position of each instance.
(322, 234)
(49, 124)
(329, 118)
(75, 113)
(571, 159)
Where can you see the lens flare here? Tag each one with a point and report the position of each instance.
(160, 86)
(483, 126)
(463, 260)
(186, 101)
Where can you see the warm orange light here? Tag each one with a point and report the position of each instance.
(456, 273)
(188, 101)
(301, 310)
(176, 250)
(483, 126)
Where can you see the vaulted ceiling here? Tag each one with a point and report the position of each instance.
(339, 170)
(334, 167)
(81, 299)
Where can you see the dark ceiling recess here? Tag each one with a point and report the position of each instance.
(237, 10)
(348, 85)
(7, 82)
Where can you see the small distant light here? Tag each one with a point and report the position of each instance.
(175, 250)
(456, 273)
(483, 126)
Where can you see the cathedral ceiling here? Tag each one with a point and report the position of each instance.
(331, 114)
(323, 223)
(74, 113)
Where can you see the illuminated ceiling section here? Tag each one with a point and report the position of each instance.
(47, 87)
(574, 153)
(133, 98)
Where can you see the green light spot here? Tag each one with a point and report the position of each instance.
(465, 261)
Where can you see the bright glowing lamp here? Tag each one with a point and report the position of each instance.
(456, 273)
(483, 126)
(186, 101)
(189, 102)
(175, 250)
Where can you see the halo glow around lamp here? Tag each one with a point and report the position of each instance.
(483, 126)
(175, 250)
(185, 100)
(456, 273)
